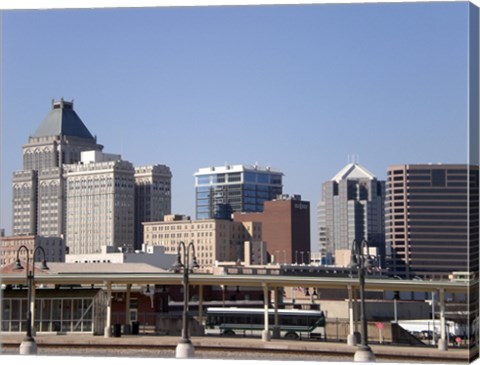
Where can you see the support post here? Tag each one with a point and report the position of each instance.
(32, 309)
(276, 327)
(200, 303)
(201, 319)
(127, 328)
(266, 331)
(108, 325)
(351, 338)
(443, 341)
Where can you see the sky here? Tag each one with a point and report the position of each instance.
(299, 88)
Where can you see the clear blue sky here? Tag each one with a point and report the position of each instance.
(298, 88)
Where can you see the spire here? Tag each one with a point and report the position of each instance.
(62, 121)
(353, 171)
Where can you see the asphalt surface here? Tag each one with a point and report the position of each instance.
(221, 348)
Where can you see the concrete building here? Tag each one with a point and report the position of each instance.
(153, 197)
(220, 191)
(100, 203)
(432, 219)
(285, 224)
(54, 248)
(214, 239)
(352, 208)
(151, 255)
(38, 201)
(107, 198)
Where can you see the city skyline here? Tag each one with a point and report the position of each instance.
(299, 88)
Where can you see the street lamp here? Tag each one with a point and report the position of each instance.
(28, 345)
(360, 260)
(185, 347)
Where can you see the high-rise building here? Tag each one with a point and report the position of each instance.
(106, 199)
(220, 191)
(432, 219)
(285, 228)
(351, 208)
(153, 198)
(100, 203)
(38, 201)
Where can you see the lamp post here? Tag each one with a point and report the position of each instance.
(28, 345)
(185, 347)
(360, 260)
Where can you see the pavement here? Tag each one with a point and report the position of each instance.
(239, 344)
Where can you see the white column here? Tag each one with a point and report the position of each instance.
(108, 323)
(266, 331)
(443, 342)
(351, 339)
(32, 309)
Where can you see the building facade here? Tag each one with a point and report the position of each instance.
(352, 208)
(153, 197)
(285, 224)
(54, 248)
(100, 204)
(432, 219)
(151, 255)
(38, 200)
(214, 239)
(220, 191)
(105, 200)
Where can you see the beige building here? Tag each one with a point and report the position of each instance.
(153, 197)
(38, 190)
(215, 240)
(54, 248)
(100, 203)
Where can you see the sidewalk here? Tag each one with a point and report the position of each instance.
(240, 343)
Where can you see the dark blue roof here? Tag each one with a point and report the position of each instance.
(62, 120)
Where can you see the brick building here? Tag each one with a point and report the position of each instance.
(285, 228)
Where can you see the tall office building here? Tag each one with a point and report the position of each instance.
(220, 191)
(432, 219)
(351, 208)
(100, 203)
(38, 201)
(286, 228)
(153, 198)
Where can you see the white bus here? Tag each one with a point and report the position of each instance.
(292, 323)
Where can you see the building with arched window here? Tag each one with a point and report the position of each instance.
(38, 190)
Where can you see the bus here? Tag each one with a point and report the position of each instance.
(292, 323)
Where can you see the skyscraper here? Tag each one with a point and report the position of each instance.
(38, 190)
(153, 197)
(220, 191)
(100, 196)
(69, 188)
(351, 208)
(432, 219)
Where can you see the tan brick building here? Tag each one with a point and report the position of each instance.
(214, 239)
(54, 248)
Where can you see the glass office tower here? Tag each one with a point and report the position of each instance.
(220, 191)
